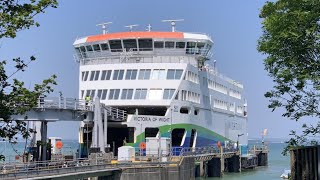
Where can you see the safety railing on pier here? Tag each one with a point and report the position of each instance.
(115, 113)
(64, 103)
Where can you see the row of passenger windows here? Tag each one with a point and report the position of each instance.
(115, 94)
(193, 77)
(144, 45)
(190, 96)
(227, 106)
(131, 74)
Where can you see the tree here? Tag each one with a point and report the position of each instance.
(14, 97)
(291, 43)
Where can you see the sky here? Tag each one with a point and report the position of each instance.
(234, 26)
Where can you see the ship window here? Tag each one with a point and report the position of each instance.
(127, 94)
(190, 47)
(184, 110)
(104, 46)
(83, 49)
(145, 44)
(196, 111)
(96, 47)
(114, 94)
(82, 93)
(84, 75)
(155, 94)
(97, 75)
(118, 74)
(200, 48)
(180, 44)
(144, 74)
(158, 44)
(140, 94)
(158, 74)
(174, 73)
(130, 44)
(131, 74)
(93, 92)
(88, 93)
(106, 74)
(169, 44)
(78, 51)
(168, 93)
(115, 45)
(89, 48)
(104, 94)
(92, 75)
(99, 93)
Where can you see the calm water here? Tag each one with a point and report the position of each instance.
(277, 163)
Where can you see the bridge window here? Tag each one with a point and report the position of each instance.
(115, 45)
(158, 44)
(140, 94)
(84, 75)
(145, 44)
(174, 73)
(114, 94)
(158, 74)
(127, 94)
(89, 48)
(130, 44)
(104, 46)
(169, 44)
(180, 45)
(106, 74)
(118, 74)
(200, 48)
(168, 93)
(144, 74)
(96, 47)
(83, 51)
(155, 94)
(191, 47)
(94, 75)
(131, 74)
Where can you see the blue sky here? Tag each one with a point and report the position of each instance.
(234, 26)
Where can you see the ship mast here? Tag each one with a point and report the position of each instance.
(173, 23)
(104, 27)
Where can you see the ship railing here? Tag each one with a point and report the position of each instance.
(122, 54)
(63, 103)
(115, 113)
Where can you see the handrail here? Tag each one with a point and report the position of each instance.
(64, 103)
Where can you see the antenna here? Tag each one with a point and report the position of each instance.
(131, 26)
(104, 27)
(173, 23)
(149, 27)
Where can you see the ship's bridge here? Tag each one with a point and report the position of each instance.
(139, 47)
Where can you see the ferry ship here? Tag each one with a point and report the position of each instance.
(165, 84)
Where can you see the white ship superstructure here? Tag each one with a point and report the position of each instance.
(164, 83)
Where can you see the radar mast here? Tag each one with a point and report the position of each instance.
(173, 23)
(104, 27)
(131, 26)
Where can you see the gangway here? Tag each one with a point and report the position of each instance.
(54, 109)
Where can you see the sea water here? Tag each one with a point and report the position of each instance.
(277, 162)
(276, 165)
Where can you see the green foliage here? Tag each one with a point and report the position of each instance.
(291, 43)
(15, 98)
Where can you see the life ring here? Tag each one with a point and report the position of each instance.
(59, 144)
(142, 145)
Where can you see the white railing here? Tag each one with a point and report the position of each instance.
(116, 113)
(64, 103)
